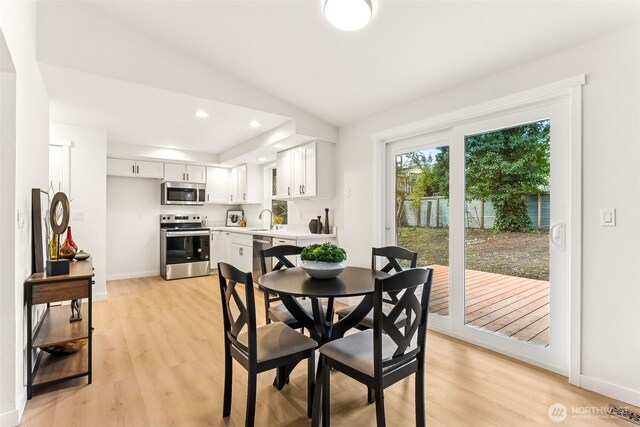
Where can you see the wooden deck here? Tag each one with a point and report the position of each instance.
(511, 306)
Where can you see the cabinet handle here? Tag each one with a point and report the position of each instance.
(304, 189)
(240, 251)
(133, 169)
(231, 195)
(137, 169)
(300, 189)
(288, 191)
(187, 177)
(244, 196)
(207, 197)
(183, 176)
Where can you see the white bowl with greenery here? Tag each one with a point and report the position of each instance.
(323, 261)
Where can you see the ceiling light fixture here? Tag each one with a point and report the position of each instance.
(261, 159)
(348, 15)
(255, 124)
(201, 114)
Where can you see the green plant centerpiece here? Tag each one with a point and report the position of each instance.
(323, 260)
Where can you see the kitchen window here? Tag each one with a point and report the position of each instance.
(278, 207)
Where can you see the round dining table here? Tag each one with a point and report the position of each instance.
(291, 283)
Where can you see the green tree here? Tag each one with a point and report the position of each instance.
(503, 166)
(406, 165)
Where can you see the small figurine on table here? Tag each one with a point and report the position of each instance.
(76, 305)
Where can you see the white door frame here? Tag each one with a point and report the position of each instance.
(569, 89)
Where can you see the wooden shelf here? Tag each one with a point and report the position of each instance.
(56, 328)
(53, 368)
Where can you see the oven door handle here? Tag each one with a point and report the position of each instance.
(187, 233)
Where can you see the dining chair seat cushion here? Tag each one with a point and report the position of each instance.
(368, 319)
(277, 340)
(356, 351)
(280, 313)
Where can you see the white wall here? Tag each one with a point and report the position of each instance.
(611, 153)
(87, 188)
(18, 26)
(133, 225)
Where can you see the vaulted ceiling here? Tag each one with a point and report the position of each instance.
(289, 62)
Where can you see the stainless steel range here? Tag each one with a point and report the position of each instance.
(184, 246)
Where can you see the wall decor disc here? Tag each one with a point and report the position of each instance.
(59, 213)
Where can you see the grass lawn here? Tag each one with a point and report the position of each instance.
(513, 254)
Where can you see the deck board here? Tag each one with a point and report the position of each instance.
(516, 307)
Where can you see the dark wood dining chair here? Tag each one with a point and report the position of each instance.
(257, 349)
(278, 312)
(386, 354)
(394, 255)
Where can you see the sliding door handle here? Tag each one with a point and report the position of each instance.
(557, 235)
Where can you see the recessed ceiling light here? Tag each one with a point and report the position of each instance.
(255, 124)
(278, 145)
(261, 159)
(201, 114)
(348, 15)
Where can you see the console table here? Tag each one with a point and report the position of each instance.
(54, 327)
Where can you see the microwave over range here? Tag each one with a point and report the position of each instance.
(182, 193)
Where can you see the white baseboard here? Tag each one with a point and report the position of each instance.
(12, 418)
(614, 391)
(134, 275)
(99, 297)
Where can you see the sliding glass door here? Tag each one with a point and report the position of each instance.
(485, 204)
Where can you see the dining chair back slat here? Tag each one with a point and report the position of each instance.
(405, 338)
(231, 279)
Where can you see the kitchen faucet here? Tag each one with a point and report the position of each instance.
(260, 217)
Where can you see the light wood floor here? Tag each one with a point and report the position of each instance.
(158, 361)
(511, 306)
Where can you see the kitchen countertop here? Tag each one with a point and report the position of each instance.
(285, 233)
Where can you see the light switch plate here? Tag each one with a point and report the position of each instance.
(607, 217)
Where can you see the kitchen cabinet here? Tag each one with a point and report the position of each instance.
(305, 172)
(185, 173)
(278, 241)
(283, 174)
(216, 249)
(135, 168)
(225, 242)
(54, 327)
(245, 184)
(242, 251)
(217, 184)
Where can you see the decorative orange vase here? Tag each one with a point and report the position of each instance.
(68, 249)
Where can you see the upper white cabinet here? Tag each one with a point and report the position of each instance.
(185, 173)
(305, 171)
(245, 184)
(217, 183)
(136, 168)
(283, 174)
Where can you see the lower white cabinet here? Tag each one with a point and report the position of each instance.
(278, 241)
(225, 243)
(242, 257)
(216, 250)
